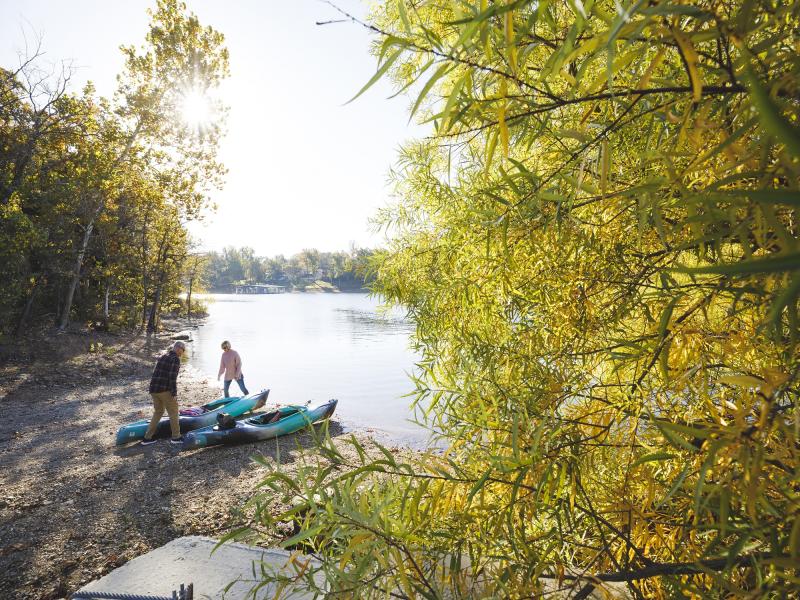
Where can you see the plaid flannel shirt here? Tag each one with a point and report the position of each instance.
(165, 374)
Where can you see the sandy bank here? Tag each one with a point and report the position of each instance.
(72, 505)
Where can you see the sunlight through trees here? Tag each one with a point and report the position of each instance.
(95, 193)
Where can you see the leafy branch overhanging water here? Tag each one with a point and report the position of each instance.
(599, 245)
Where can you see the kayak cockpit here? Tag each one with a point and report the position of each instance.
(274, 416)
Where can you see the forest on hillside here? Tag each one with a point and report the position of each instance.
(346, 271)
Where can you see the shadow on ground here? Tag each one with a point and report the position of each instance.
(73, 506)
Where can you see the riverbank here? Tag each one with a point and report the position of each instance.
(73, 506)
(316, 287)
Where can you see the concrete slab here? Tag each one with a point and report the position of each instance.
(189, 560)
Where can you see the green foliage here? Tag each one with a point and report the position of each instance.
(94, 193)
(346, 270)
(599, 246)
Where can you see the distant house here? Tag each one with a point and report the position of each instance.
(257, 288)
(308, 278)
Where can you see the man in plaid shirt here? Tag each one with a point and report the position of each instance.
(164, 391)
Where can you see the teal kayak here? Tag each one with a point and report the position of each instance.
(234, 406)
(285, 420)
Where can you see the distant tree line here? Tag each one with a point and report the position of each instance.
(95, 193)
(345, 270)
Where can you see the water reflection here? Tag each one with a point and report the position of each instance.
(317, 347)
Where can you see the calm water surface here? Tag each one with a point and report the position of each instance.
(316, 347)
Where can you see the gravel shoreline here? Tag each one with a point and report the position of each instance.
(73, 506)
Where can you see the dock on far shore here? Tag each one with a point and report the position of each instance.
(257, 288)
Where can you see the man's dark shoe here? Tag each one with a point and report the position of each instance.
(146, 442)
(176, 441)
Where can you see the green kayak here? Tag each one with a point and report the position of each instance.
(207, 415)
(284, 420)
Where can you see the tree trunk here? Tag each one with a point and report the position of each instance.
(16, 180)
(145, 277)
(27, 310)
(145, 285)
(153, 321)
(163, 251)
(76, 271)
(189, 299)
(21, 161)
(58, 297)
(106, 313)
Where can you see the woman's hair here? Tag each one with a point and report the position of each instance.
(179, 346)
(225, 343)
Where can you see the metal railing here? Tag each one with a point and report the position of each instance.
(184, 593)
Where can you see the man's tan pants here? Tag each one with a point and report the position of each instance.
(162, 401)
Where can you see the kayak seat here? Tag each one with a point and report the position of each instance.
(225, 421)
(271, 417)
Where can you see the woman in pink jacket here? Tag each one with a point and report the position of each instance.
(231, 365)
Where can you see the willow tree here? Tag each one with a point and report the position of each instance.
(598, 243)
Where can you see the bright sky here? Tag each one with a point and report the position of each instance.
(305, 170)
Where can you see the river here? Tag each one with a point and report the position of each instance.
(316, 347)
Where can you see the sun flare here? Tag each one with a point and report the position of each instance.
(196, 109)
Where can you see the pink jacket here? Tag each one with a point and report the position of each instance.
(231, 365)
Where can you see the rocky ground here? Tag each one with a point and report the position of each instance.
(73, 506)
